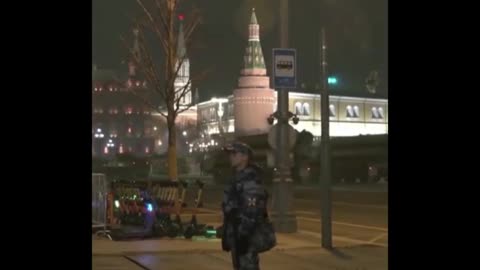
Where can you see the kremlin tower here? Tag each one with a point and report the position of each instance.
(183, 75)
(253, 99)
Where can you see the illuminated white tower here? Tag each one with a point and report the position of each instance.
(253, 99)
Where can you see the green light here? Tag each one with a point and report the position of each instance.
(332, 80)
(211, 231)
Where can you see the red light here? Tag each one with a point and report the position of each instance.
(180, 17)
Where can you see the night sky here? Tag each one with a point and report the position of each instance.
(357, 33)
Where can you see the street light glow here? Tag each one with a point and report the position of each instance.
(184, 133)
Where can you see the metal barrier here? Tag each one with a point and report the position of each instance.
(99, 205)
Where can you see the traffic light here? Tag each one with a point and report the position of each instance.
(332, 80)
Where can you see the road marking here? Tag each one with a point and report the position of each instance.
(342, 238)
(374, 206)
(375, 239)
(346, 224)
(319, 220)
(307, 213)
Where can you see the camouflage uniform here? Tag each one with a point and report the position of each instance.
(244, 205)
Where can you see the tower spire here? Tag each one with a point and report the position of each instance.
(132, 68)
(254, 62)
(183, 65)
(253, 18)
(181, 48)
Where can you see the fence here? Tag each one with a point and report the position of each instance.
(99, 205)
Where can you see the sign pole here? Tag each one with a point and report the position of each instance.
(284, 69)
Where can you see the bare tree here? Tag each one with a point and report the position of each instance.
(159, 17)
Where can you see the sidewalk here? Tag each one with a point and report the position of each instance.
(180, 245)
(294, 251)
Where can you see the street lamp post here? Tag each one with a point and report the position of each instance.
(325, 174)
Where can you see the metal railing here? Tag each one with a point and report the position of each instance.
(99, 205)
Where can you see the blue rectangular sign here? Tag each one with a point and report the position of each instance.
(284, 68)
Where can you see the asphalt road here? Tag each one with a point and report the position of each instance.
(359, 217)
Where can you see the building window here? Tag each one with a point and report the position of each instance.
(349, 111)
(120, 149)
(105, 150)
(306, 109)
(353, 112)
(147, 150)
(381, 113)
(298, 108)
(129, 130)
(148, 131)
(128, 110)
(356, 111)
(332, 110)
(111, 89)
(98, 110)
(377, 113)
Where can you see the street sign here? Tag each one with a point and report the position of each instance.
(272, 136)
(284, 68)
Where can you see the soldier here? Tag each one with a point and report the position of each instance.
(245, 211)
